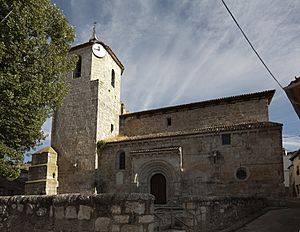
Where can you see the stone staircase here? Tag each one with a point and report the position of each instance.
(169, 218)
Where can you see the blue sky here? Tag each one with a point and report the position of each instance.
(181, 51)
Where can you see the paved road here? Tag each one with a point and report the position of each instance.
(280, 220)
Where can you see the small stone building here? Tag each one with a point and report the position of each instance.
(42, 174)
(294, 169)
(293, 93)
(219, 147)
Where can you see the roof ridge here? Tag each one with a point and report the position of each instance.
(223, 128)
(267, 94)
(47, 149)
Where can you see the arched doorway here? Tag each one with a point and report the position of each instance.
(158, 188)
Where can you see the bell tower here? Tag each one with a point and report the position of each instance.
(90, 112)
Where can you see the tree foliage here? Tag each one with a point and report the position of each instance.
(35, 38)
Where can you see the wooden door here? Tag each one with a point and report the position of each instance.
(158, 188)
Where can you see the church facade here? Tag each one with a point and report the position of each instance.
(221, 147)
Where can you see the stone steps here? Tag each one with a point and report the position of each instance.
(168, 217)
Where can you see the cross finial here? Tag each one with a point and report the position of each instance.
(94, 36)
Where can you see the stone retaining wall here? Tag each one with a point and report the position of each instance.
(74, 212)
(216, 213)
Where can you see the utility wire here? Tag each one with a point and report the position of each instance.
(291, 136)
(251, 45)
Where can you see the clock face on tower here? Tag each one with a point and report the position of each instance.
(98, 50)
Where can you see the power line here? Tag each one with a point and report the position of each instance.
(251, 45)
(291, 136)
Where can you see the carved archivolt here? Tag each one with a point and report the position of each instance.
(151, 168)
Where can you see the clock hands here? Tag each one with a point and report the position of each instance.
(97, 48)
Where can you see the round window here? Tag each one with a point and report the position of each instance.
(241, 173)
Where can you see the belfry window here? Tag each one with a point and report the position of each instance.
(122, 160)
(113, 77)
(77, 71)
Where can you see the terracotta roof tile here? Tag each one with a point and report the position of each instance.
(46, 150)
(268, 94)
(219, 129)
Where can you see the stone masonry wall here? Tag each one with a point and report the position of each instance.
(89, 113)
(109, 106)
(42, 175)
(74, 130)
(222, 114)
(208, 168)
(82, 213)
(216, 213)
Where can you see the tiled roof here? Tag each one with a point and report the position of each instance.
(296, 81)
(294, 154)
(217, 129)
(293, 93)
(46, 150)
(156, 150)
(268, 94)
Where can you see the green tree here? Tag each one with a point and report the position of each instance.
(35, 38)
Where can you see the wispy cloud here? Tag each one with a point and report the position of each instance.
(183, 51)
(291, 143)
(47, 128)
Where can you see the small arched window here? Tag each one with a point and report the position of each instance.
(113, 77)
(77, 71)
(122, 160)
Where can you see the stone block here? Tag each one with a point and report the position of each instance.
(121, 219)
(102, 224)
(146, 219)
(151, 227)
(59, 212)
(116, 209)
(84, 212)
(151, 210)
(135, 207)
(115, 228)
(71, 212)
(132, 228)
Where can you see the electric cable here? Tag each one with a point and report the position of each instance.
(290, 136)
(232, 16)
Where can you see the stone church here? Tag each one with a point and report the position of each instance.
(220, 147)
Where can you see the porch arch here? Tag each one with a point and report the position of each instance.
(159, 167)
